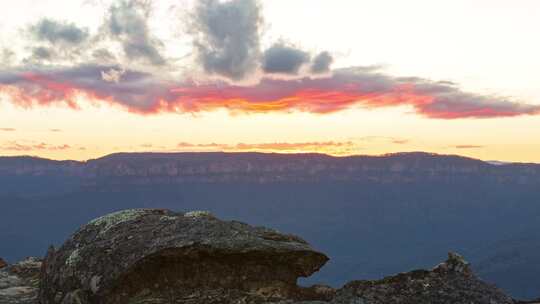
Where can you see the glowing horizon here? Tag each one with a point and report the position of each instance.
(136, 76)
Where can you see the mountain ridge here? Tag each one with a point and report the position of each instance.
(149, 153)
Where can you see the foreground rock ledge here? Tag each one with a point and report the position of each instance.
(450, 282)
(158, 256)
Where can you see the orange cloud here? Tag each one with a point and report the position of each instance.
(330, 147)
(346, 88)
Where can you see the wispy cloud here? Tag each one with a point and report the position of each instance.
(27, 147)
(468, 147)
(331, 147)
(398, 141)
(8, 129)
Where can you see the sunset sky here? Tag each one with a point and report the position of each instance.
(80, 79)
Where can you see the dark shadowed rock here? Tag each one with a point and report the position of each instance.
(2, 263)
(155, 256)
(450, 282)
(19, 282)
(158, 256)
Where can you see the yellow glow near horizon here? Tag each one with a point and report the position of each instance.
(484, 46)
(96, 131)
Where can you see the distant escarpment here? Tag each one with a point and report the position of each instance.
(160, 256)
(177, 168)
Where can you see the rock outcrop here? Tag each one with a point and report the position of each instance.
(19, 282)
(448, 283)
(2, 263)
(154, 256)
(159, 256)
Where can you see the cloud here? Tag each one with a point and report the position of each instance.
(55, 41)
(8, 129)
(128, 22)
(283, 59)
(17, 146)
(226, 36)
(332, 147)
(286, 146)
(321, 63)
(400, 141)
(103, 55)
(112, 75)
(55, 32)
(375, 138)
(55, 130)
(468, 147)
(7, 57)
(42, 53)
(360, 87)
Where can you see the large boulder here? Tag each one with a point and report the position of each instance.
(159, 256)
(448, 283)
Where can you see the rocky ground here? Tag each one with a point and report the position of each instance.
(158, 256)
(19, 283)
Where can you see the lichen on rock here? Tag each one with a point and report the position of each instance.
(197, 213)
(73, 258)
(153, 254)
(110, 220)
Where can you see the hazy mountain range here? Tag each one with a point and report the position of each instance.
(373, 215)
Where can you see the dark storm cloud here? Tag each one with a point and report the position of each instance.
(321, 63)
(226, 36)
(48, 30)
(128, 22)
(283, 59)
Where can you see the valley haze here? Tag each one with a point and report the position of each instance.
(373, 215)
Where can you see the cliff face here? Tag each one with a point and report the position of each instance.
(155, 168)
(158, 256)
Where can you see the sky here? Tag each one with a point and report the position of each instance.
(83, 79)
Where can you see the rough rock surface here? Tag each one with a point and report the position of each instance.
(450, 282)
(19, 282)
(158, 256)
(2, 263)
